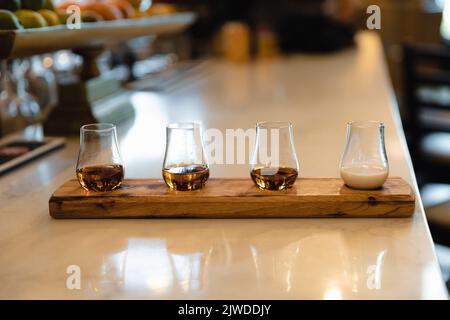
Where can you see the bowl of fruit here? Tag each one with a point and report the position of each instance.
(36, 26)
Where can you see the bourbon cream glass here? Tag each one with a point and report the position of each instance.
(364, 164)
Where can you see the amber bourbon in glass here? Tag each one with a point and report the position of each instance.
(99, 166)
(279, 179)
(100, 178)
(278, 171)
(185, 165)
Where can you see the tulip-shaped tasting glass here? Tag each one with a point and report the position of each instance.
(185, 165)
(99, 166)
(279, 170)
(364, 164)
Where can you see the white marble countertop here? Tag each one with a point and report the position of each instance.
(211, 259)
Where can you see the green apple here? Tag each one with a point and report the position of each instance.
(8, 21)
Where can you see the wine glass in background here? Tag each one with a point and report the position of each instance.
(42, 82)
(10, 104)
(28, 105)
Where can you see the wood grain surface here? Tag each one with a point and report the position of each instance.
(234, 198)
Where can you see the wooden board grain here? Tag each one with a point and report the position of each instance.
(234, 198)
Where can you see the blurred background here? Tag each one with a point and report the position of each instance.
(415, 35)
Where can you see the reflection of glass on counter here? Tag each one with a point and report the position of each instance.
(148, 264)
(197, 258)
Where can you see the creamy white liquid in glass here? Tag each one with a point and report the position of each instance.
(364, 176)
(364, 164)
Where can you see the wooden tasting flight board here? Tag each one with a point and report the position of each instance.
(234, 198)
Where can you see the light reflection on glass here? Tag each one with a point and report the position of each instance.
(254, 253)
(378, 269)
(290, 266)
(333, 293)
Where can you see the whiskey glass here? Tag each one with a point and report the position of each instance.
(364, 164)
(278, 171)
(185, 165)
(99, 166)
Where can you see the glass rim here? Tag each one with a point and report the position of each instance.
(184, 125)
(365, 124)
(273, 124)
(98, 127)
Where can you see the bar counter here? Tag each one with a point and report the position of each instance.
(229, 258)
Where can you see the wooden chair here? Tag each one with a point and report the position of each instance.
(427, 124)
(427, 109)
(438, 217)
